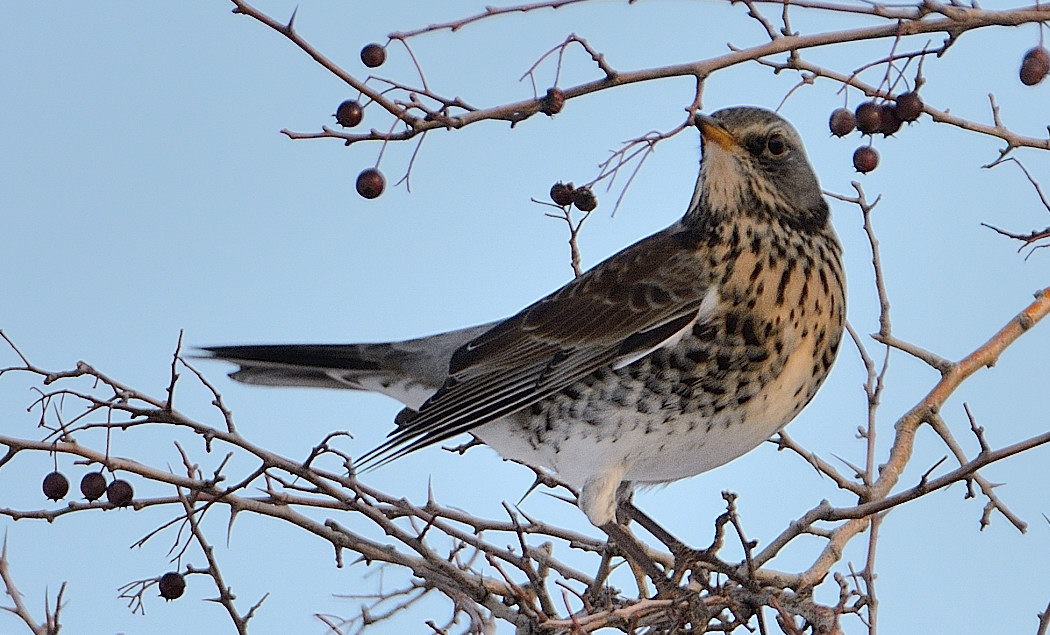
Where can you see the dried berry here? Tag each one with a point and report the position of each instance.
(561, 193)
(842, 122)
(120, 492)
(909, 106)
(93, 485)
(171, 584)
(56, 485)
(889, 122)
(584, 199)
(865, 159)
(370, 183)
(373, 55)
(869, 117)
(1035, 66)
(349, 113)
(552, 102)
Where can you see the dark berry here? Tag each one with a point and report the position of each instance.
(842, 122)
(349, 113)
(584, 199)
(56, 485)
(869, 117)
(865, 159)
(909, 106)
(93, 485)
(370, 183)
(373, 55)
(1035, 66)
(120, 492)
(552, 102)
(171, 584)
(561, 193)
(889, 122)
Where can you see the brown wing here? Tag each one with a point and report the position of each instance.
(615, 313)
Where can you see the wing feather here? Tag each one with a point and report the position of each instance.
(627, 306)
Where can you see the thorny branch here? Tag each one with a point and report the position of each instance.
(514, 570)
(416, 110)
(292, 486)
(51, 624)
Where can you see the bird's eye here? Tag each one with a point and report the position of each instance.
(776, 145)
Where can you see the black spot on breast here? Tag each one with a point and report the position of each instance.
(732, 322)
(704, 332)
(747, 330)
(699, 355)
(683, 363)
(757, 355)
(785, 277)
(572, 391)
(713, 387)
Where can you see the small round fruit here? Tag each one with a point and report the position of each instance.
(120, 493)
(869, 117)
(584, 199)
(172, 584)
(55, 486)
(373, 55)
(1035, 66)
(349, 113)
(370, 183)
(865, 159)
(552, 102)
(561, 193)
(93, 485)
(842, 122)
(909, 106)
(889, 122)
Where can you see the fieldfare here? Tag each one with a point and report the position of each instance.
(674, 356)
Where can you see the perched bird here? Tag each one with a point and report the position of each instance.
(674, 356)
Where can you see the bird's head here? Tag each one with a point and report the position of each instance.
(754, 163)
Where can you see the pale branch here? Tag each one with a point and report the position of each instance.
(785, 442)
(988, 489)
(51, 624)
(322, 489)
(996, 129)
(953, 21)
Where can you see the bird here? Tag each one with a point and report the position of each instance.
(676, 355)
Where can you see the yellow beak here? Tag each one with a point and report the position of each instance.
(711, 130)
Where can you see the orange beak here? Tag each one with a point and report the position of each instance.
(711, 130)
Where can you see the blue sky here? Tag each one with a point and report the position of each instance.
(146, 190)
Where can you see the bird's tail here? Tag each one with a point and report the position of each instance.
(409, 371)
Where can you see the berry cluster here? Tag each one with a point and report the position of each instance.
(564, 195)
(872, 118)
(887, 117)
(120, 494)
(350, 113)
(92, 486)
